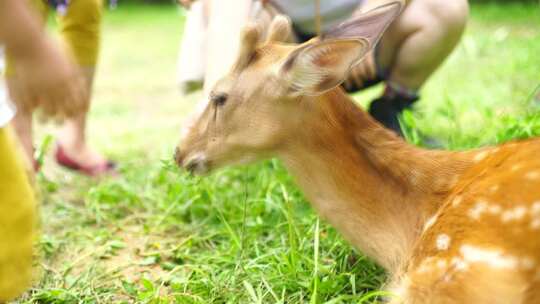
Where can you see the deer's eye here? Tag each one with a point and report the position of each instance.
(219, 99)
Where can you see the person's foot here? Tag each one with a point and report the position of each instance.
(84, 160)
(388, 110)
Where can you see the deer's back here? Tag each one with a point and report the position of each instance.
(483, 245)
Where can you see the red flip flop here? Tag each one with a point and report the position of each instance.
(35, 162)
(36, 165)
(108, 167)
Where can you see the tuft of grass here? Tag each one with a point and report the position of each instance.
(244, 234)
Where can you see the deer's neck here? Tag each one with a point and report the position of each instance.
(377, 190)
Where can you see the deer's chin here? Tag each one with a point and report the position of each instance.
(202, 164)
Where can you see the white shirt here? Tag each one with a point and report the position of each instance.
(302, 12)
(6, 108)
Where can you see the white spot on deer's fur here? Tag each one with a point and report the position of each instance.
(400, 288)
(441, 264)
(457, 200)
(527, 263)
(514, 214)
(423, 268)
(442, 242)
(532, 175)
(426, 265)
(430, 264)
(430, 223)
(459, 264)
(510, 145)
(480, 156)
(493, 188)
(516, 167)
(452, 181)
(414, 177)
(476, 211)
(490, 257)
(535, 208)
(494, 209)
(535, 224)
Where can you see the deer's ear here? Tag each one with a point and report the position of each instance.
(315, 68)
(369, 25)
(280, 29)
(250, 36)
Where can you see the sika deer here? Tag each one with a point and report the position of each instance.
(450, 227)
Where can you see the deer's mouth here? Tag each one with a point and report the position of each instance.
(197, 167)
(196, 163)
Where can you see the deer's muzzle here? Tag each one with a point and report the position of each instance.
(195, 163)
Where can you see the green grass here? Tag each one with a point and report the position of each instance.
(242, 235)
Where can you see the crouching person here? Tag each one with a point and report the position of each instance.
(411, 49)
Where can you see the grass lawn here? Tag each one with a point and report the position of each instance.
(242, 235)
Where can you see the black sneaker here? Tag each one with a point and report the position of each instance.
(387, 111)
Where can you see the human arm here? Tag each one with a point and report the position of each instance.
(44, 76)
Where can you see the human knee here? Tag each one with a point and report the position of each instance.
(451, 16)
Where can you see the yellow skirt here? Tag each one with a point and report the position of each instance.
(17, 220)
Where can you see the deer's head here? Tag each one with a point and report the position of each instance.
(254, 109)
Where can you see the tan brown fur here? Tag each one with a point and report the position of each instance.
(450, 227)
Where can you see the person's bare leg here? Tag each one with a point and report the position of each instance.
(412, 48)
(418, 41)
(22, 123)
(72, 136)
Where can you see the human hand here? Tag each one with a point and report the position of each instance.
(364, 71)
(45, 78)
